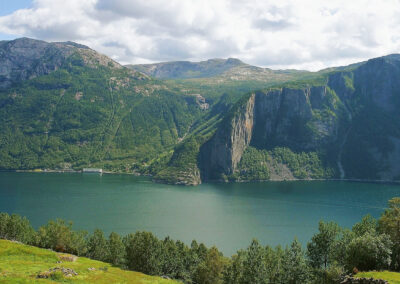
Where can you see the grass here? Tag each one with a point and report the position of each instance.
(391, 277)
(22, 263)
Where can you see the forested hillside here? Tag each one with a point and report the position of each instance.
(64, 106)
(85, 109)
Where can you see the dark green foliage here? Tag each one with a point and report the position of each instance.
(389, 224)
(80, 116)
(116, 250)
(210, 270)
(234, 270)
(368, 252)
(253, 165)
(60, 237)
(97, 246)
(367, 225)
(302, 165)
(331, 252)
(274, 263)
(295, 268)
(319, 250)
(254, 268)
(182, 164)
(16, 228)
(143, 253)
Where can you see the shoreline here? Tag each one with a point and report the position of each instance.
(211, 181)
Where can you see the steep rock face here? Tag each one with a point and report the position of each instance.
(353, 120)
(281, 117)
(373, 98)
(223, 152)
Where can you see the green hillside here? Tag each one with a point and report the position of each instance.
(21, 263)
(390, 276)
(64, 106)
(89, 111)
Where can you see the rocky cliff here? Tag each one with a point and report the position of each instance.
(350, 123)
(26, 58)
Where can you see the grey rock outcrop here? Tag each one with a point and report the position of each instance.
(353, 118)
(25, 58)
(223, 152)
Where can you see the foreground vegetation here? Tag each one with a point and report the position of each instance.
(332, 252)
(392, 277)
(21, 263)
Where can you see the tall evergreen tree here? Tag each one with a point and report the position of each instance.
(296, 270)
(254, 269)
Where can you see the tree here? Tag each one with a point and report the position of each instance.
(97, 246)
(4, 219)
(234, 271)
(366, 226)
(172, 260)
(295, 268)
(58, 236)
(319, 250)
(210, 270)
(196, 254)
(116, 248)
(369, 252)
(143, 253)
(16, 228)
(254, 269)
(389, 223)
(274, 260)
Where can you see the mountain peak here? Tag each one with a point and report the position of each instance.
(187, 69)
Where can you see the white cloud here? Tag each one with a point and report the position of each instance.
(305, 34)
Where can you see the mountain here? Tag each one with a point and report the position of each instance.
(345, 127)
(25, 58)
(214, 77)
(64, 106)
(187, 69)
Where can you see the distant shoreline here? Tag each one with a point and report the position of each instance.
(211, 181)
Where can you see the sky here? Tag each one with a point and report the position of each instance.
(306, 34)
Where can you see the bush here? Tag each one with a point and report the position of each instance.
(16, 228)
(143, 253)
(58, 236)
(116, 249)
(369, 252)
(97, 246)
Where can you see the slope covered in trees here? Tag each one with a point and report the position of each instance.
(64, 106)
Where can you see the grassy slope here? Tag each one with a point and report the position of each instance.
(392, 277)
(21, 263)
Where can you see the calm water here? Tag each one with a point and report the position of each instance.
(225, 215)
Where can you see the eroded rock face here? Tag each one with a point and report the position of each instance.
(281, 117)
(223, 152)
(25, 58)
(354, 117)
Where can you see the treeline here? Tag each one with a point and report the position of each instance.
(332, 252)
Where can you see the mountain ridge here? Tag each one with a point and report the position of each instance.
(65, 106)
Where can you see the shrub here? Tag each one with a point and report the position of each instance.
(58, 235)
